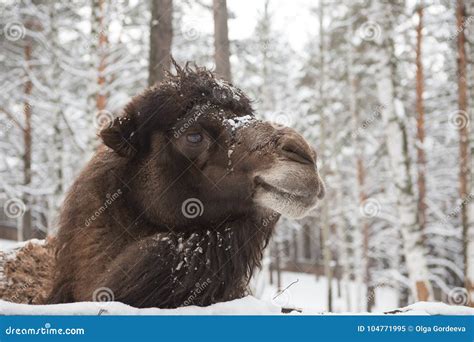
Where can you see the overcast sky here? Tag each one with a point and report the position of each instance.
(292, 18)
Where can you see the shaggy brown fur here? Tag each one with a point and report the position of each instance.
(123, 225)
(26, 272)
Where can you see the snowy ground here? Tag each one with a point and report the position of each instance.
(8, 244)
(309, 293)
(245, 306)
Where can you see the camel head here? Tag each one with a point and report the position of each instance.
(196, 153)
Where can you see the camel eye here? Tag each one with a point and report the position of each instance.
(194, 138)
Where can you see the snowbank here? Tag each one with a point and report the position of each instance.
(434, 308)
(245, 306)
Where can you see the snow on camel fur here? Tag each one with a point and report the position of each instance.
(178, 205)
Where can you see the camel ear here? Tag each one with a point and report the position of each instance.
(120, 136)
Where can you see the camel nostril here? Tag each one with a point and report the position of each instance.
(293, 151)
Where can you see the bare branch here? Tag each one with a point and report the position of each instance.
(12, 118)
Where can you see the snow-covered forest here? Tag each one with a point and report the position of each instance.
(383, 90)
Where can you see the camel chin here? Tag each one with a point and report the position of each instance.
(288, 188)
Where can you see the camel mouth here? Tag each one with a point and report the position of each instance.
(294, 202)
(260, 182)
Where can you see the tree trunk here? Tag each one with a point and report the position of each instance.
(403, 291)
(361, 223)
(295, 251)
(397, 145)
(161, 36)
(420, 124)
(27, 230)
(270, 271)
(26, 220)
(343, 238)
(221, 40)
(99, 17)
(58, 143)
(464, 157)
(278, 264)
(266, 94)
(323, 141)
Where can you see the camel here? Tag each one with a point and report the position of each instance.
(179, 202)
